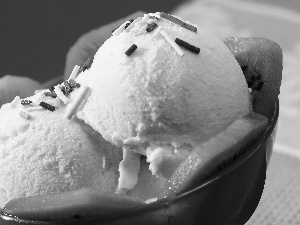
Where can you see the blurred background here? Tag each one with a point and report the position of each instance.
(35, 37)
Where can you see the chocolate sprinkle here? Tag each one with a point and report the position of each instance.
(189, 27)
(63, 89)
(68, 87)
(127, 24)
(52, 94)
(178, 22)
(74, 84)
(131, 49)
(86, 65)
(151, 27)
(51, 89)
(47, 106)
(188, 46)
(26, 102)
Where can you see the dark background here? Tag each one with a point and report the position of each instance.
(35, 35)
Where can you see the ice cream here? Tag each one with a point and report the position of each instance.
(158, 87)
(42, 152)
(155, 96)
(46, 150)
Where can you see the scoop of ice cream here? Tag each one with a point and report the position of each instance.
(11, 86)
(150, 98)
(47, 153)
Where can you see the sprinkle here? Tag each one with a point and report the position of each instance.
(56, 102)
(131, 49)
(172, 43)
(26, 102)
(74, 72)
(61, 95)
(72, 110)
(25, 115)
(189, 27)
(104, 166)
(63, 90)
(68, 87)
(158, 30)
(171, 18)
(140, 24)
(37, 108)
(45, 105)
(120, 29)
(188, 46)
(52, 94)
(178, 22)
(51, 88)
(127, 24)
(85, 66)
(74, 84)
(151, 27)
(133, 23)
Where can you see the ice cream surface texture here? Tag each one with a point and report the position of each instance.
(155, 98)
(47, 153)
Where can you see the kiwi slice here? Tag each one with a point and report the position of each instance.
(261, 62)
(69, 205)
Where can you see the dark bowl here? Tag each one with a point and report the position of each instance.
(227, 198)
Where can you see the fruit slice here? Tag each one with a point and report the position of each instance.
(72, 204)
(261, 62)
(215, 154)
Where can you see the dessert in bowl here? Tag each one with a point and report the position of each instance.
(202, 111)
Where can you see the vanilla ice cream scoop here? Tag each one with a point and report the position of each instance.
(42, 152)
(160, 86)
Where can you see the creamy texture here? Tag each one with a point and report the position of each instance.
(156, 100)
(49, 153)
